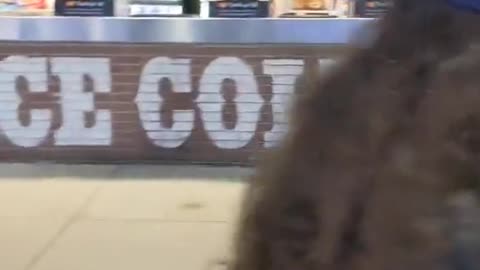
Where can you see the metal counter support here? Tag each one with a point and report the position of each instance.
(180, 30)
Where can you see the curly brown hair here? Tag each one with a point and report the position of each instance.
(373, 152)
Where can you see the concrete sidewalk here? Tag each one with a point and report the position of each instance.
(79, 217)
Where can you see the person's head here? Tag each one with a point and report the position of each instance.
(438, 27)
(448, 122)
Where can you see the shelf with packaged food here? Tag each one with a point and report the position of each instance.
(26, 7)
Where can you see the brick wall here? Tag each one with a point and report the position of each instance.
(137, 103)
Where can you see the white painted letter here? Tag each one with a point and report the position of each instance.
(247, 99)
(34, 70)
(76, 102)
(325, 65)
(150, 102)
(284, 74)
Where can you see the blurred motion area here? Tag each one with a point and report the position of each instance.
(109, 86)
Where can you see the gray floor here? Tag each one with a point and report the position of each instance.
(81, 217)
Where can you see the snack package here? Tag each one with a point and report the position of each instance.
(19, 7)
(32, 4)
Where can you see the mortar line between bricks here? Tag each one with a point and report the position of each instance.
(68, 223)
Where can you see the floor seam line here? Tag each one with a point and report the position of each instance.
(68, 223)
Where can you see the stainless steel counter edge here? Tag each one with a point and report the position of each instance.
(180, 30)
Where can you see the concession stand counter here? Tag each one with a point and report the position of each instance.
(110, 89)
